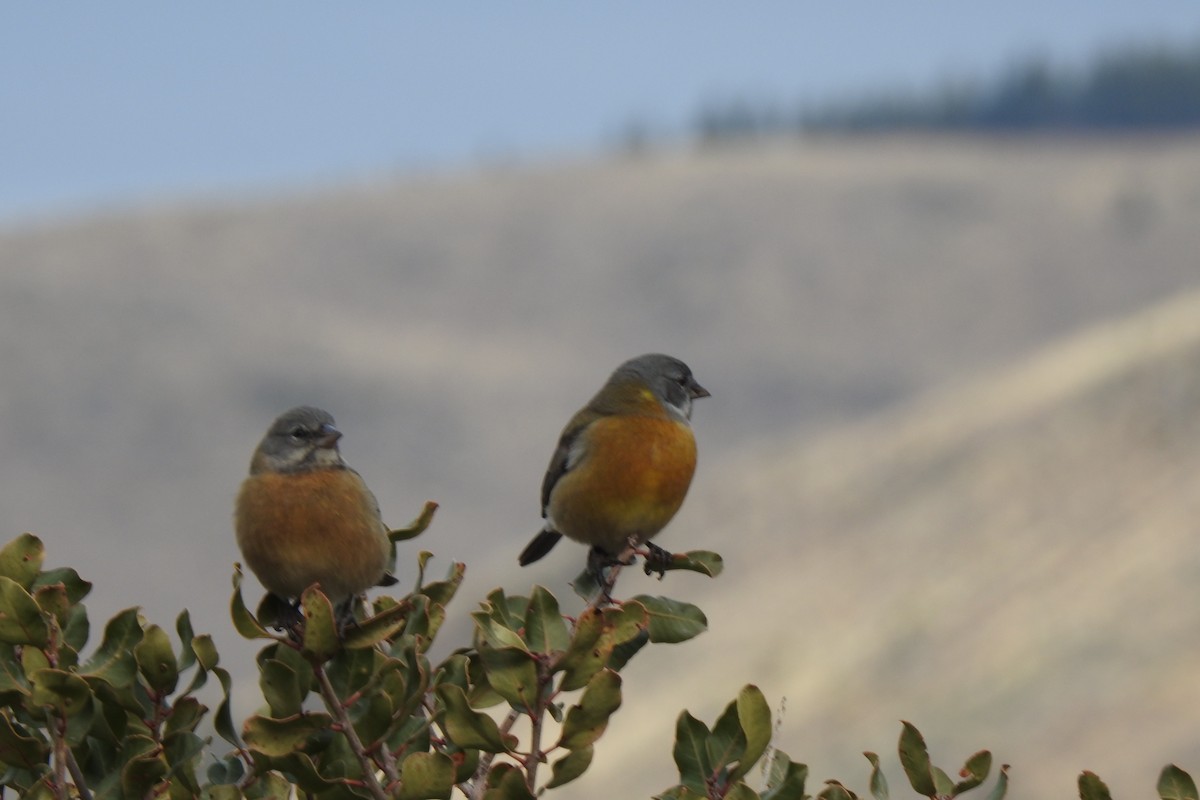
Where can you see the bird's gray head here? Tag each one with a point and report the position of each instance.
(669, 378)
(299, 439)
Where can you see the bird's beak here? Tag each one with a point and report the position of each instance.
(329, 436)
(698, 391)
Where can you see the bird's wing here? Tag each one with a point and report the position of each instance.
(568, 453)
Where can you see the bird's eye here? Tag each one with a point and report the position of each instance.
(298, 433)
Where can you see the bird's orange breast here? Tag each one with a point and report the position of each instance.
(631, 478)
(322, 526)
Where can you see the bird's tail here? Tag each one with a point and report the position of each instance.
(542, 543)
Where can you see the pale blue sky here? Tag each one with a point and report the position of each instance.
(128, 102)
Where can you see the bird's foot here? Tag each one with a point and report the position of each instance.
(344, 616)
(657, 559)
(278, 614)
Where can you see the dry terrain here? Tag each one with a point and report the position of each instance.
(950, 457)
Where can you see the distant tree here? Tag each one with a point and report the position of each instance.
(1129, 88)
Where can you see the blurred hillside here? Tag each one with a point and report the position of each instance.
(452, 325)
(1009, 562)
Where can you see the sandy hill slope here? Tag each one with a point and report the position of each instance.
(453, 323)
(1010, 563)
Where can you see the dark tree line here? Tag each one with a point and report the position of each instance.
(1124, 89)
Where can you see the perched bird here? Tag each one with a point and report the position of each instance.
(304, 517)
(623, 464)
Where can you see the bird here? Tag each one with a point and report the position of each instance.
(622, 466)
(304, 517)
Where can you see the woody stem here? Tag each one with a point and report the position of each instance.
(335, 706)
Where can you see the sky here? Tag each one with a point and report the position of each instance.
(121, 103)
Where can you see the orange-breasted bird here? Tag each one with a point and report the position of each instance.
(304, 517)
(623, 463)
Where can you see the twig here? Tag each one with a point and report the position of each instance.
(535, 749)
(60, 758)
(370, 780)
(77, 776)
(389, 764)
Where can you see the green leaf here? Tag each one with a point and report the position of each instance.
(183, 628)
(740, 791)
(914, 757)
(227, 770)
(205, 651)
(1001, 788)
(754, 716)
(300, 769)
(506, 782)
(21, 621)
(586, 586)
(121, 707)
(508, 611)
(424, 622)
(417, 526)
(681, 792)
(974, 772)
(512, 672)
(156, 660)
(1175, 784)
(785, 780)
(942, 782)
(489, 632)
(727, 742)
(52, 600)
(65, 691)
(629, 626)
(423, 559)
(12, 674)
(466, 762)
(186, 713)
(279, 737)
(351, 671)
(691, 753)
(1092, 788)
(545, 631)
(77, 588)
(113, 662)
(223, 721)
(570, 766)
(320, 628)
(879, 787)
(426, 776)
(834, 790)
(33, 659)
(442, 592)
(21, 559)
(623, 652)
(243, 621)
(469, 728)
(479, 691)
(19, 747)
(377, 717)
(705, 562)
(182, 749)
(281, 688)
(585, 723)
(588, 651)
(374, 630)
(142, 773)
(672, 621)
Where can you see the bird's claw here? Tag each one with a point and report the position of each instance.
(657, 560)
